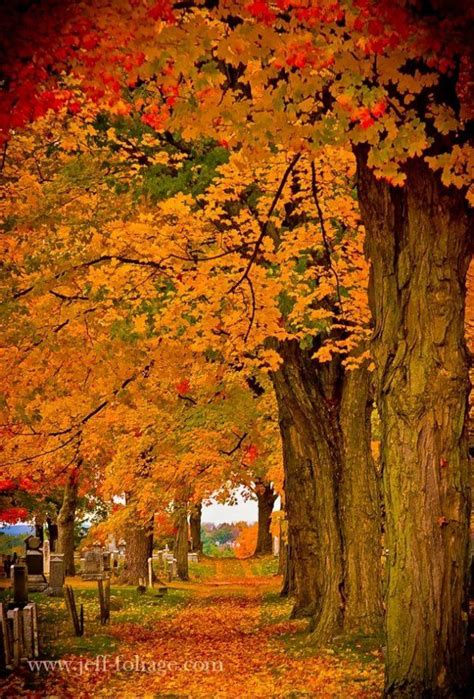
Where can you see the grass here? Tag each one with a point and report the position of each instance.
(56, 633)
(204, 570)
(266, 565)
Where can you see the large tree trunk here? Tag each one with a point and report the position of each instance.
(195, 527)
(360, 508)
(139, 548)
(266, 499)
(182, 544)
(325, 428)
(308, 396)
(419, 248)
(66, 522)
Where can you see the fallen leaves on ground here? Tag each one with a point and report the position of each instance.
(229, 642)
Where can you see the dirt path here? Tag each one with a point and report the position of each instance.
(231, 640)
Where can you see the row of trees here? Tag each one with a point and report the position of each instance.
(186, 230)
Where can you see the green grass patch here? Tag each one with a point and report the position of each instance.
(204, 570)
(266, 565)
(127, 606)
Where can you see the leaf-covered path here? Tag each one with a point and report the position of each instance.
(230, 638)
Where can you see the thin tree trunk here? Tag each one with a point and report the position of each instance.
(266, 499)
(360, 508)
(418, 243)
(289, 585)
(182, 543)
(66, 522)
(195, 527)
(139, 548)
(52, 533)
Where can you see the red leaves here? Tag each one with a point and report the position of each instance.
(163, 10)
(7, 484)
(261, 11)
(251, 453)
(154, 117)
(183, 387)
(366, 116)
(13, 514)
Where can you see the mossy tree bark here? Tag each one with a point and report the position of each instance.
(195, 527)
(323, 458)
(266, 497)
(139, 548)
(419, 246)
(360, 508)
(66, 521)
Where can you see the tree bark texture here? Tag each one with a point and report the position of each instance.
(182, 544)
(266, 499)
(419, 242)
(139, 548)
(320, 454)
(195, 527)
(66, 522)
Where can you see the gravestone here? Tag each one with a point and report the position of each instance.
(106, 560)
(56, 575)
(96, 564)
(34, 563)
(170, 566)
(46, 557)
(19, 577)
(193, 557)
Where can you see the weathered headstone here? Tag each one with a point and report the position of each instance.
(92, 565)
(106, 560)
(5, 639)
(27, 631)
(96, 564)
(19, 576)
(193, 557)
(56, 574)
(15, 616)
(34, 563)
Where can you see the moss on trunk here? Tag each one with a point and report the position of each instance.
(418, 243)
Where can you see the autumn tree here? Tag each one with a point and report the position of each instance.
(391, 80)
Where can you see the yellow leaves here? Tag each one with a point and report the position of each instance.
(271, 359)
(140, 324)
(324, 354)
(457, 168)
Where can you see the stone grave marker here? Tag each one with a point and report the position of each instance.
(56, 575)
(34, 563)
(19, 577)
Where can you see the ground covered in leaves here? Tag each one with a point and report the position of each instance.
(224, 634)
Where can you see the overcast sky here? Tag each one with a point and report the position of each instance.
(245, 510)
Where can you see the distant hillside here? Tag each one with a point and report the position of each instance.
(17, 529)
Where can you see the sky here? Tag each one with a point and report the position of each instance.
(244, 510)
